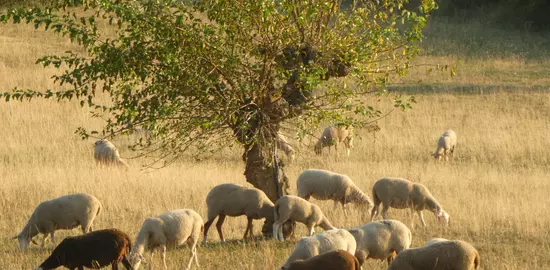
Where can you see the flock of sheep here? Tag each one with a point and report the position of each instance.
(333, 248)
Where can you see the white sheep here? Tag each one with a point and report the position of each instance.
(381, 239)
(326, 185)
(400, 193)
(320, 243)
(334, 135)
(297, 209)
(445, 145)
(234, 200)
(171, 229)
(282, 143)
(438, 255)
(105, 153)
(66, 212)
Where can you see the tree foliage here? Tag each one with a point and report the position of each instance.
(212, 73)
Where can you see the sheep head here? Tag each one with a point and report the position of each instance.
(136, 259)
(24, 240)
(318, 147)
(443, 217)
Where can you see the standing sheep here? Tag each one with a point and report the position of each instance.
(65, 212)
(297, 209)
(381, 239)
(326, 185)
(93, 250)
(105, 153)
(320, 243)
(400, 193)
(334, 135)
(234, 200)
(332, 260)
(445, 145)
(171, 229)
(438, 255)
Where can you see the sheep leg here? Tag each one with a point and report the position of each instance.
(374, 212)
(196, 256)
(114, 265)
(193, 251)
(248, 229)
(311, 229)
(421, 217)
(163, 255)
(219, 225)
(385, 209)
(277, 233)
(206, 227)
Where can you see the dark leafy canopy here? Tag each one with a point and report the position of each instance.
(209, 73)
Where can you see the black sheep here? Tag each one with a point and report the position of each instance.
(93, 250)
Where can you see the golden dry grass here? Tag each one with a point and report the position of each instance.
(496, 189)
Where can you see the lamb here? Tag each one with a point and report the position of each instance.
(326, 185)
(171, 229)
(445, 145)
(297, 209)
(381, 239)
(93, 250)
(439, 255)
(283, 144)
(234, 200)
(320, 243)
(105, 153)
(334, 135)
(400, 193)
(65, 212)
(332, 260)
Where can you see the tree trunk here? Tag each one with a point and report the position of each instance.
(264, 171)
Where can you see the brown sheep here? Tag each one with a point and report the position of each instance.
(332, 260)
(93, 250)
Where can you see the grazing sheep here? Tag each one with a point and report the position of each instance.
(381, 239)
(445, 145)
(105, 153)
(334, 135)
(400, 193)
(326, 185)
(439, 255)
(65, 212)
(332, 260)
(320, 243)
(171, 229)
(283, 144)
(93, 250)
(297, 209)
(234, 200)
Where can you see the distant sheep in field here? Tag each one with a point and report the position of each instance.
(332, 260)
(297, 209)
(320, 243)
(334, 135)
(400, 193)
(438, 255)
(93, 250)
(445, 145)
(105, 153)
(234, 200)
(171, 229)
(326, 185)
(381, 239)
(66, 212)
(283, 144)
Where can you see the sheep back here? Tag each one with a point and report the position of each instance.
(93, 250)
(455, 254)
(234, 200)
(322, 242)
(332, 260)
(379, 239)
(323, 185)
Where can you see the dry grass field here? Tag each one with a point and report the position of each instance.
(497, 190)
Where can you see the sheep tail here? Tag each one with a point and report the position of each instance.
(276, 212)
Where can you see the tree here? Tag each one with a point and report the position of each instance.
(205, 74)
